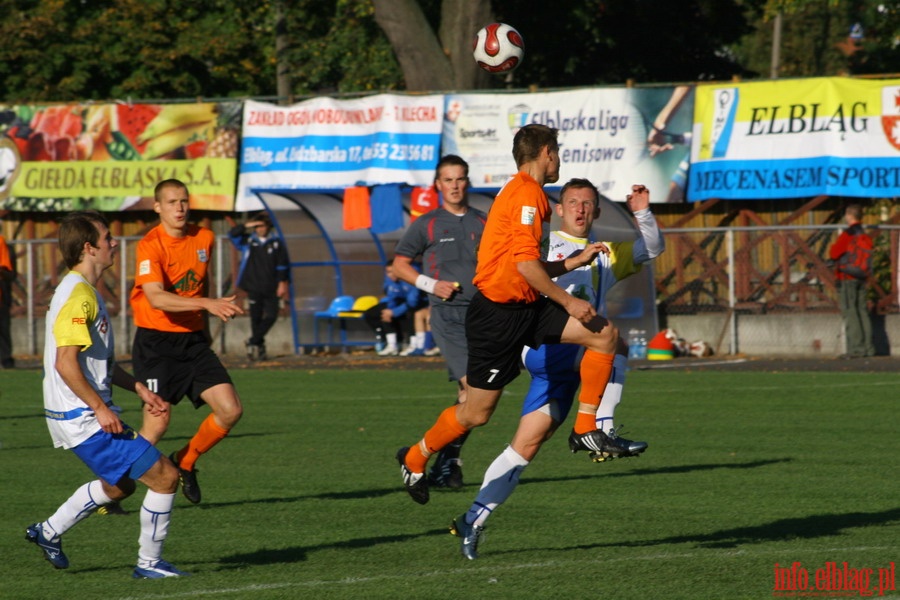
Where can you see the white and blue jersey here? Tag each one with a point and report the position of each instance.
(77, 317)
(554, 367)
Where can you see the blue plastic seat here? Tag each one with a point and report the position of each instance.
(330, 314)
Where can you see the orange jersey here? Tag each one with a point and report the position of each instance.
(512, 235)
(180, 265)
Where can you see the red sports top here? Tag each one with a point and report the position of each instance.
(180, 265)
(512, 234)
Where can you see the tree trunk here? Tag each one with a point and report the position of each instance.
(435, 62)
(282, 67)
(460, 21)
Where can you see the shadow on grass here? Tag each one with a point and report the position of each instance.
(808, 527)
(665, 470)
(473, 486)
(298, 553)
(352, 495)
(23, 417)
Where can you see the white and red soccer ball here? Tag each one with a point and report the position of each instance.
(498, 48)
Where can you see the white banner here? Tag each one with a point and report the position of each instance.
(325, 143)
(605, 136)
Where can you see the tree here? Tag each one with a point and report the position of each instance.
(104, 49)
(434, 58)
(567, 42)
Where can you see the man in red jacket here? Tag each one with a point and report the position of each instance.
(852, 253)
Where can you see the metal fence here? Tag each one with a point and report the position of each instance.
(39, 268)
(722, 271)
(765, 270)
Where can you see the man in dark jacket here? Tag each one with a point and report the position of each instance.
(263, 274)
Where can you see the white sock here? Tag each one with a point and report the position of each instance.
(612, 395)
(418, 341)
(156, 511)
(391, 340)
(500, 479)
(78, 507)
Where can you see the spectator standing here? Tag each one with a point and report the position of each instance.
(263, 273)
(852, 255)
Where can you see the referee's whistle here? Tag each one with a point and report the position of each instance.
(458, 287)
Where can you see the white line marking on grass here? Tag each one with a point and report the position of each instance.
(494, 569)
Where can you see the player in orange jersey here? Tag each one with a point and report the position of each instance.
(518, 304)
(172, 353)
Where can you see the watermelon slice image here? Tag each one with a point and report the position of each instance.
(130, 122)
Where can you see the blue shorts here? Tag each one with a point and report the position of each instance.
(114, 456)
(554, 376)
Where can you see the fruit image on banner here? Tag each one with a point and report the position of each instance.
(109, 157)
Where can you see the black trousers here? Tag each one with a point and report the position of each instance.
(263, 314)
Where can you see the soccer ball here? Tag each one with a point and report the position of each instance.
(498, 48)
(701, 349)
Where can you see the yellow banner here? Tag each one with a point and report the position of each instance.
(111, 156)
(204, 177)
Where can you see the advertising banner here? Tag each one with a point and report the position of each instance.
(324, 143)
(109, 157)
(606, 135)
(788, 139)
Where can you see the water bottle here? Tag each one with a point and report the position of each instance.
(633, 344)
(641, 344)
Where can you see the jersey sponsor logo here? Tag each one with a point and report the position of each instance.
(144, 267)
(189, 283)
(202, 256)
(103, 327)
(528, 214)
(79, 321)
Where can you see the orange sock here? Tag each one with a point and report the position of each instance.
(585, 421)
(596, 369)
(446, 429)
(208, 435)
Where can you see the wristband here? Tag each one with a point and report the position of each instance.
(426, 283)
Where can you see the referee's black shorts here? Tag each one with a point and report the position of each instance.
(175, 365)
(497, 333)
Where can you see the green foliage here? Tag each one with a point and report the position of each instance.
(881, 252)
(744, 470)
(341, 50)
(57, 50)
(601, 41)
(880, 47)
(815, 38)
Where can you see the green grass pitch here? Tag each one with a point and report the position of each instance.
(744, 470)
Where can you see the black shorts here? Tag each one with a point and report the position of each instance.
(175, 365)
(497, 333)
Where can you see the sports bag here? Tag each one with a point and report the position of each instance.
(857, 260)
